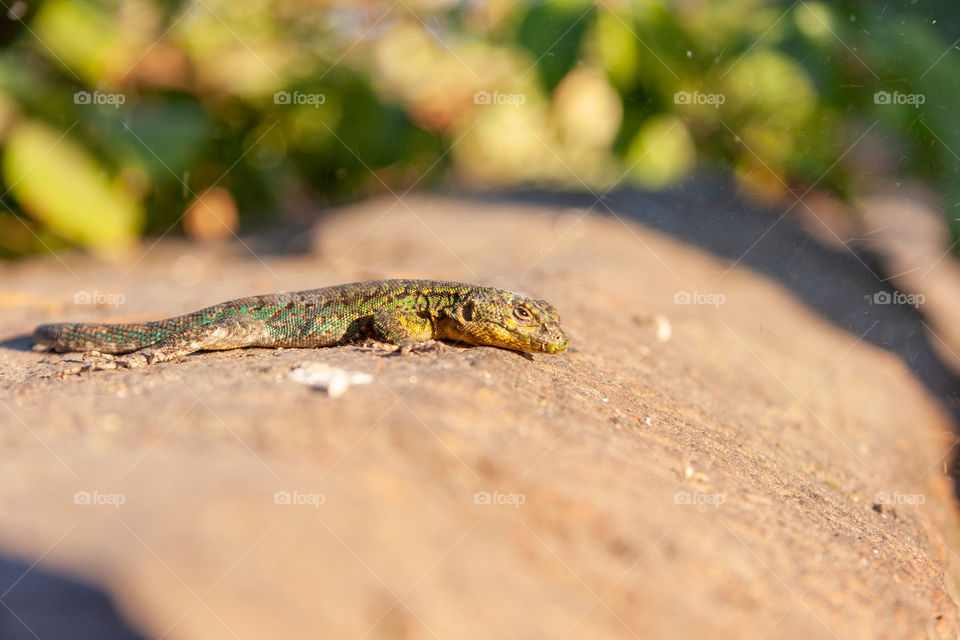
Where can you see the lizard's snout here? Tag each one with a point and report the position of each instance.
(553, 340)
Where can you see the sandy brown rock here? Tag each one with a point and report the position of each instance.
(732, 467)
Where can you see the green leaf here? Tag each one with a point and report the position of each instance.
(60, 185)
(661, 153)
(553, 33)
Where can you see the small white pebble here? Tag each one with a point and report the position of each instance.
(664, 328)
(323, 377)
(338, 386)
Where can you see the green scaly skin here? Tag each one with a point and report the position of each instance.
(401, 312)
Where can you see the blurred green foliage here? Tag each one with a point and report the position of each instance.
(116, 115)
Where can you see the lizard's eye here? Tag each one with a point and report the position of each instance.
(522, 314)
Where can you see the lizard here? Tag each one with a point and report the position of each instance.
(407, 313)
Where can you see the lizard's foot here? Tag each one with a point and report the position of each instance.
(375, 345)
(108, 362)
(93, 353)
(77, 369)
(138, 359)
(426, 346)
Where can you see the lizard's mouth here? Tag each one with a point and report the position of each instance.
(554, 342)
(552, 346)
(555, 347)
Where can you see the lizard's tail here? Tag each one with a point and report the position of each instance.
(48, 335)
(106, 338)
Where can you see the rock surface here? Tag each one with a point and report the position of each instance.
(709, 459)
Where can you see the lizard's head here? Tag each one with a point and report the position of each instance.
(509, 320)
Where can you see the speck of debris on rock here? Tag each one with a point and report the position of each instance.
(333, 380)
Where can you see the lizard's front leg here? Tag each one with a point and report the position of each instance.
(404, 328)
(229, 332)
